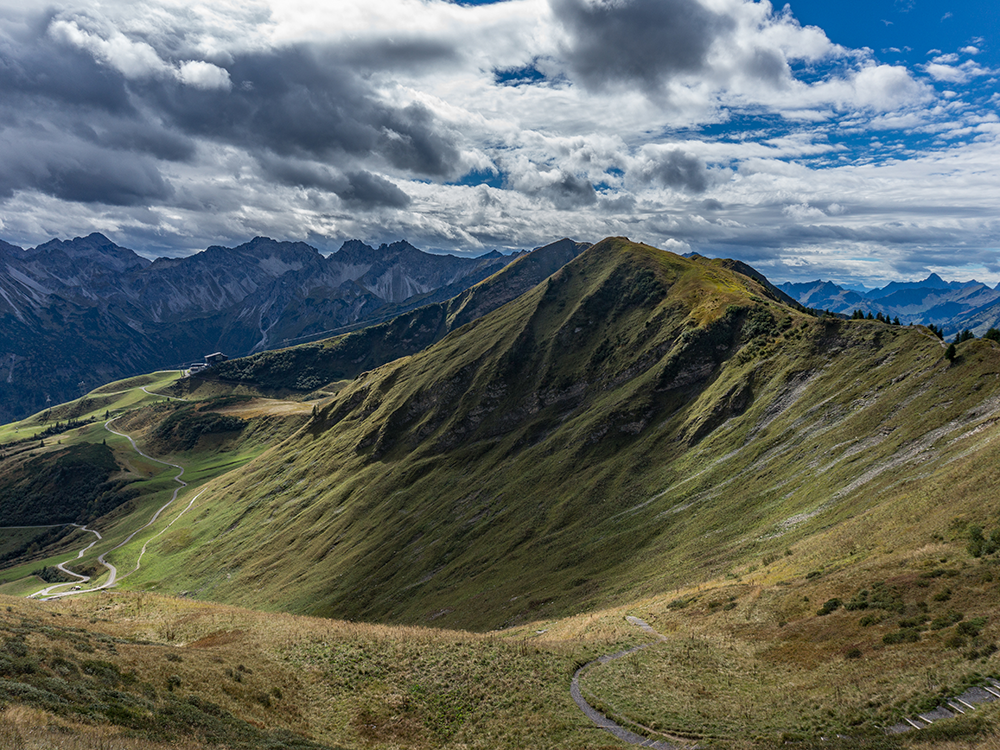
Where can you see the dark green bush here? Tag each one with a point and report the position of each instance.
(828, 606)
(904, 635)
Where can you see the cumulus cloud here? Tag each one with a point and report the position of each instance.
(133, 59)
(942, 69)
(204, 75)
(712, 124)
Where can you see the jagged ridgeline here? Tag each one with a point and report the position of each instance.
(310, 367)
(636, 421)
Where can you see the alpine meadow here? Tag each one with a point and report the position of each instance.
(499, 375)
(608, 494)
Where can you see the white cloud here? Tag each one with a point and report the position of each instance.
(132, 59)
(204, 75)
(954, 73)
(389, 100)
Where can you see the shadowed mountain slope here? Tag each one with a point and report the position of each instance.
(75, 314)
(638, 421)
(311, 366)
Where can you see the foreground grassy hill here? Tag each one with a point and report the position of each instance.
(140, 671)
(638, 422)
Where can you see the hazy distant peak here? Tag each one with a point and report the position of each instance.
(95, 247)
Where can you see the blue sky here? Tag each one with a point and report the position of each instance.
(855, 141)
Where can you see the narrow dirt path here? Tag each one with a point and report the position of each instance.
(161, 395)
(603, 721)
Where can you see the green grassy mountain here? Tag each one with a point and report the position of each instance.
(803, 508)
(636, 422)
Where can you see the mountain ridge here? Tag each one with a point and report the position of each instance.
(571, 418)
(134, 315)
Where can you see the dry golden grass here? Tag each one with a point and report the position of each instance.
(23, 728)
(259, 407)
(337, 683)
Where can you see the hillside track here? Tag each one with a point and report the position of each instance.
(602, 721)
(49, 593)
(161, 395)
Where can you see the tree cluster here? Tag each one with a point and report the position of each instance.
(860, 315)
(965, 335)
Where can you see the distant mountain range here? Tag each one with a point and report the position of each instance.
(75, 314)
(78, 313)
(950, 305)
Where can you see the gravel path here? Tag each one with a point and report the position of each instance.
(600, 719)
(966, 703)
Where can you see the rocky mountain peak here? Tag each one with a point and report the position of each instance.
(94, 248)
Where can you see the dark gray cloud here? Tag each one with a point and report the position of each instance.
(396, 54)
(79, 129)
(644, 42)
(674, 169)
(33, 69)
(569, 192)
(300, 101)
(367, 189)
(359, 189)
(134, 135)
(77, 171)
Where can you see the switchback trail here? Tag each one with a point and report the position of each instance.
(46, 593)
(80, 578)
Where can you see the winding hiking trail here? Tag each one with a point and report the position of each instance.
(950, 708)
(600, 719)
(50, 592)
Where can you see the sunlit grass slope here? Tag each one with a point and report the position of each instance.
(110, 670)
(82, 473)
(639, 421)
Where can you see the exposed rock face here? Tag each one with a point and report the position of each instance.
(77, 313)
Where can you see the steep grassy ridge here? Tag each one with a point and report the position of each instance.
(636, 422)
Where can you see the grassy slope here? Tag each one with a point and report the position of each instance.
(150, 482)
(182, 670)
(639, 422)
(753, 471)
